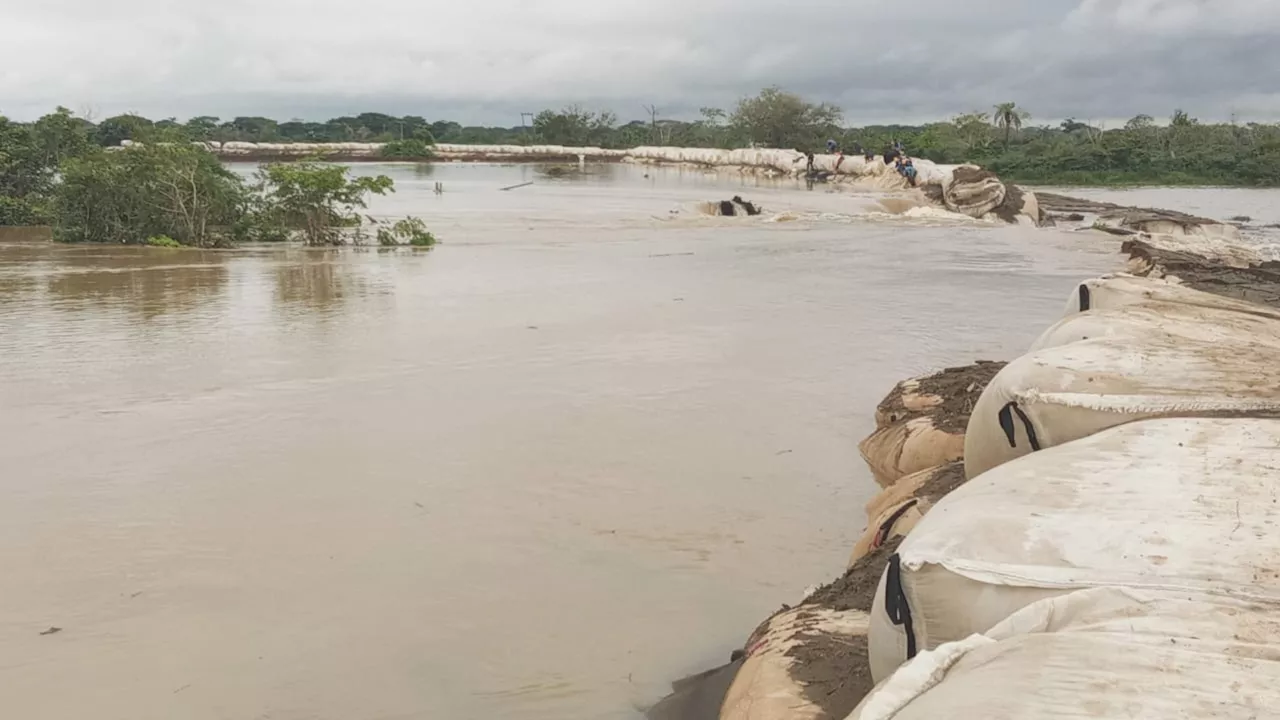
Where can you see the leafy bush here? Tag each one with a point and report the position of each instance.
(411, 231)
(409, 149)
(126, 195)
(163, 241)
(315, 202)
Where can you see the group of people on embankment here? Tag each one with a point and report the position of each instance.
(1090, 529)
(893, 155)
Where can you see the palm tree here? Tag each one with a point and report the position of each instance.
(1008, 116)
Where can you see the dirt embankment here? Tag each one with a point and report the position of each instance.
(1255, 282)
(1063, 207)
(957, 387)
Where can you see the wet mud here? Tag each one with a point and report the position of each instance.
(957, 387)
(1257, 283)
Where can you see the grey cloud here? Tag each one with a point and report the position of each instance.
(485, 61)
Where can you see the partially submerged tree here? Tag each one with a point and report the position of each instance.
(178, 191)
(416, 148)
(318, 203)
(29, 158)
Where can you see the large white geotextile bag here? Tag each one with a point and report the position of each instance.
(1113, 291)
(765, 687)
(1064, 393)
(1177, 504)
(1153, 318)
(1101, 653)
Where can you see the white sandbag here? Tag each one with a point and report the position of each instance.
(1179, 504)
(1101, 653)
(1112, 291)
(1063, 393)
(770, 685)
(909, 446)
(1164, 319)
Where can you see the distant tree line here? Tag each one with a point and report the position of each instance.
(1181, 150)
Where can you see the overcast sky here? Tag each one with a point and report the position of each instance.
(485, 61)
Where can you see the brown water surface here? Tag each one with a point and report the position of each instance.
(580, 448)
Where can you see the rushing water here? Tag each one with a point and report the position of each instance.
(580, 448)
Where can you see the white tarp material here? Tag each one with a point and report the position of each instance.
(783, 161)
(1117, 290)
(765, 687)
(1168, 319)
(1064, 393)
(1177, 504)
(1101, 653)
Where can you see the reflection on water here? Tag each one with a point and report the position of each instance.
(320, 281)
(571, 453)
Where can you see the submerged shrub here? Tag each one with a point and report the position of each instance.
(411, 231)
(409, 149)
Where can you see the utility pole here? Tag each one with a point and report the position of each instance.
(524, 136)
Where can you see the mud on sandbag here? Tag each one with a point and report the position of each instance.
(1190, 322)
(1105, 652)
(772, 683)
(1064, 393)
(895, 511)
(1183, 503)
(1120, 289)
(1019, 206)
(972, 191)
(811, 661)
(910, 446)
(921, 422)
(1229, 269)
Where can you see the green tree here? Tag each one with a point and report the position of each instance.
(776, 118)
(115, 130)
(410, 149)
(203, 127)
(29, 157)
(176, 190)
(574, 126)
(318, 203)
(1009, 118)
(409, 231)
(973, 130)
(1140, 122)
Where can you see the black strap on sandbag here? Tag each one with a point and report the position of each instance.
(895, 603)
(1005, 417)
(885, 527)
(1086, 299)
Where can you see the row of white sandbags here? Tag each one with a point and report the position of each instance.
(1149, 475)
(1110, 653)
(1180, 504)
(1214, 356)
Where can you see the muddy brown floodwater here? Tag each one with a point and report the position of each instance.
(578, 450)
